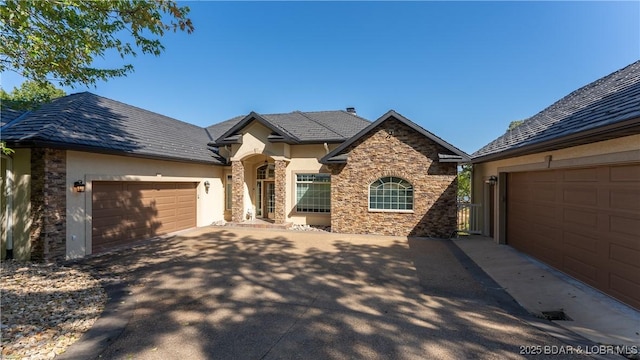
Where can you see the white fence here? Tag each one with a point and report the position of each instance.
(469, 218)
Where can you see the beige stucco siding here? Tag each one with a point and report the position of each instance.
(256, 149)
(620, 150)
(91, 167)
(21, 206)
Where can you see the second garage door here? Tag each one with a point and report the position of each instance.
(584, 222)
(127, 211)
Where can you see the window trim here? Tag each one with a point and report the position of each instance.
(295, 192)
(405, 211)
(228, 200)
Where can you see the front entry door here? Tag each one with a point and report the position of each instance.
(270, 197)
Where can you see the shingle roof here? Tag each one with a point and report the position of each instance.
(610, 102)
(90, 122)
(338, 155)
(8, 115)
(298, 126)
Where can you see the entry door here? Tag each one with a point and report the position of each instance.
(270, 195)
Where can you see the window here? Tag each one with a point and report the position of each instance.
(267, 171)
(313, 193)
(390, 193)
(229, 192)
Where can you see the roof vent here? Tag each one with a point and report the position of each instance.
(351, 110)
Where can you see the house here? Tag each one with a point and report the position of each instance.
(90, 173)
(564, 186)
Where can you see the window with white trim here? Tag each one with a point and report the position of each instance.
(313, 193)
(391, 193)
(229, 192)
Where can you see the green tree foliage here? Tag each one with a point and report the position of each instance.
(514, 124)
(59, 39)
(464, 183)
(30, 95)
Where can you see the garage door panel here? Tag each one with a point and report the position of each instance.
(596, 211)
(622, 287)
(581, 269)
(580, 175)
(581, 218)
(624, 225)
(580, 196)
(625, 173)
(581, 241)
(127, 211)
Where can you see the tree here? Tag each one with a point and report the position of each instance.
(464, 183)
(30, 95)
(61, 38)
(514, 124)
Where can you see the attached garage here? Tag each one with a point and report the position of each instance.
(125, 211)
(583, 221)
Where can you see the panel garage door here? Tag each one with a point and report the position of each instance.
(584, 222)
(127, 211)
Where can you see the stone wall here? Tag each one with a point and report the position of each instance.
(281, 191)
(237, 190)
(48, 204)
(394, 149)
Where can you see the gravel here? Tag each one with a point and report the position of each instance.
(46, 308)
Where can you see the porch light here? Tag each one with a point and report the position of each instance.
(492, 180)
(79, 186)
(206, 186)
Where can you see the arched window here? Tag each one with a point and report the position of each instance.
(390, 193)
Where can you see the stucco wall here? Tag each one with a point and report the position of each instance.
(394, 149)
(621, 150)
(95, 167)
(21, 206)
(256, 148)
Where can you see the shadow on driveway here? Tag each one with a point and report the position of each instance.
(225, 293)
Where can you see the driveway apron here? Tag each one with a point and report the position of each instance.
(231, 293)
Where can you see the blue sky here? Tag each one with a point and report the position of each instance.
(462, 70)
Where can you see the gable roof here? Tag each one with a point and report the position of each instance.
(339, 156)
(88, 122)
(605, 109)
(296, 127)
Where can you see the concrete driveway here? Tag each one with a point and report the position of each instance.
(233, 293)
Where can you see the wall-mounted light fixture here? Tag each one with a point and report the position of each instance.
(492, 180)
(79, 186)
(206, 186)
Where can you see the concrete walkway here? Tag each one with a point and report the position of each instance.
(233, 293)
(538, 287)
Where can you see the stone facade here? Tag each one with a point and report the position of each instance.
(48, 204)
(237, 191)
(394, 149)
(281, 191)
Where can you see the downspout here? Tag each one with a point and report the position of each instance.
(326, 148)
(9, 204)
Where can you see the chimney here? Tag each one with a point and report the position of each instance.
(351, 110)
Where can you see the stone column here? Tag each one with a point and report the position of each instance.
(237, 191)
(48, 203)
(281, 191)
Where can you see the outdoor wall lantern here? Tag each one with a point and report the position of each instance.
(79, 186)
(206, 186)
(492, 180)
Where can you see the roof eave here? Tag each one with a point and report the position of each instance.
(85, 148)
(621, 129)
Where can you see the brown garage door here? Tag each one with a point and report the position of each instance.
(584, 222)
(127, 211)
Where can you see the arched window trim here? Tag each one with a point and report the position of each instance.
(391, 194)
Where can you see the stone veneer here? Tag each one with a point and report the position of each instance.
(394, 149)
(48, 204)
(281, 191)
(237, 191)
